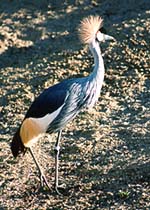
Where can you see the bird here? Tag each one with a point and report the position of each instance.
(59, 104)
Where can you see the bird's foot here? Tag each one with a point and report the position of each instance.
(58, 190)
(62, 190)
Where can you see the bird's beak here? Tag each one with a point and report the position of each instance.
(109, 38)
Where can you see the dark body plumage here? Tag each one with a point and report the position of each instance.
(70, 94)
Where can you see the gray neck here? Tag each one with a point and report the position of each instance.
(98, 60)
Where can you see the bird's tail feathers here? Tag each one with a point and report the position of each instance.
(17, 146)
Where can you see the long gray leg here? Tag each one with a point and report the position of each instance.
(57, 148)
(42, 176)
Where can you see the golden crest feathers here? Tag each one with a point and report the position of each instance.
(89, 27)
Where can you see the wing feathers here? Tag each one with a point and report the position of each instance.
(48, 102)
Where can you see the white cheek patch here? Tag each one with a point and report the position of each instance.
(100, 36)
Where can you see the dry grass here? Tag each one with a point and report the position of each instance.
(104, 161)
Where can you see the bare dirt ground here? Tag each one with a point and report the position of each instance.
(105, 153)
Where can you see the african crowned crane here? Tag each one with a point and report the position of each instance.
(60, 103)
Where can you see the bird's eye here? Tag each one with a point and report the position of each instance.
(103, 30)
